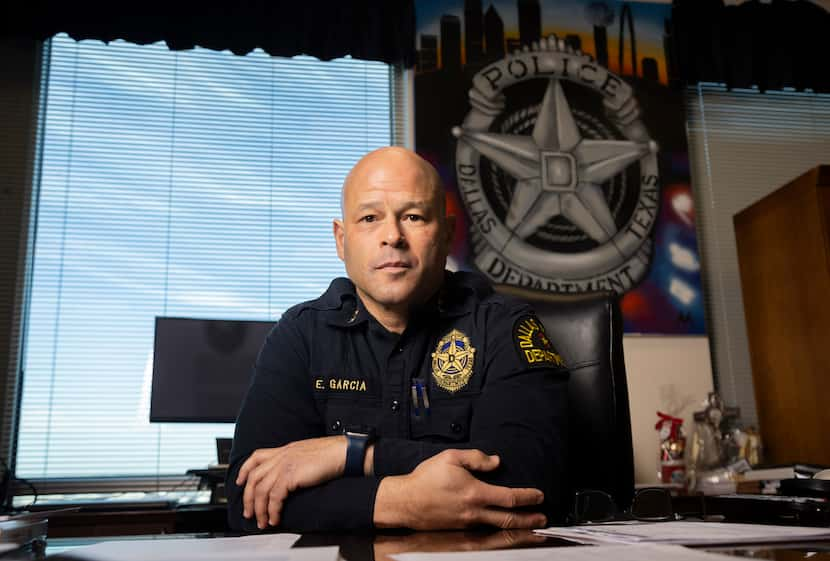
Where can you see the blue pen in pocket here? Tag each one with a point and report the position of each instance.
(420, 398)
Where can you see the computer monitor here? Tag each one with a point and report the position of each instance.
(202, 368)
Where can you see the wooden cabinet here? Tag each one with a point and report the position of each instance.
(784, 256)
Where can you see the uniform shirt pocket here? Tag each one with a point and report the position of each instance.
(342, 414)
(446, 422)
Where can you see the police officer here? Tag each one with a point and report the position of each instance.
(405, 395)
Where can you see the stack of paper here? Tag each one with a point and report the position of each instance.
(641, 552)
(266, 547)
(684, 533)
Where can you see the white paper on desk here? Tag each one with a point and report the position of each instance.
(271, 547)
(685, 533)
(641, 552)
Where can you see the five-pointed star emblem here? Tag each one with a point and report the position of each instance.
(557, 172)
(456, 354)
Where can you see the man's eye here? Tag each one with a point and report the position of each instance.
(414, 217)
(368, 218)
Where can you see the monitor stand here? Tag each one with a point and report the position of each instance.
(212, 478)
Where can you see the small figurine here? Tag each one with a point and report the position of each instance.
(672, 448)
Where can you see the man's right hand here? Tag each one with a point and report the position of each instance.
(442, 493)
(271, 474)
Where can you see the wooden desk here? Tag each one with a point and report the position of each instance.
(135, 521)
(381, 546)
(82, 528)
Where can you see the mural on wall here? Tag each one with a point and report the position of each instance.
(563, 150)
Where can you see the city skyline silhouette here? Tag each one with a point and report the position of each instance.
(472, 33)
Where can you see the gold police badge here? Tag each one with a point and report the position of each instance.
(452, 361)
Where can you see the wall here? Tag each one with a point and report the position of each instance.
(19, 61)
(668, 374)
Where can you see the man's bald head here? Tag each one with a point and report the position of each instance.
(394, 156)
(394, 236)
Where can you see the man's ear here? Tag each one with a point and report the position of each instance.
(337, 226)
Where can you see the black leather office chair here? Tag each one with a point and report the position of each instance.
(587, 330)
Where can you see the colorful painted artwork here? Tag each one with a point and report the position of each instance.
(563, 149)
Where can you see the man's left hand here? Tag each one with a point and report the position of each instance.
(270, 474)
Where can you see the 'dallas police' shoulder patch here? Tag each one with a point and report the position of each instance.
(533, 345)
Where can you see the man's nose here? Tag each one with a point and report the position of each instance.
(393, 234)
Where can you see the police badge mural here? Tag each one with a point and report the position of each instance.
(558, 171)
(567, 164)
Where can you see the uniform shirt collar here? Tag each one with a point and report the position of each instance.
(346, 309)
(455, 298)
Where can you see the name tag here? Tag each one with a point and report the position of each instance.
(340, 384)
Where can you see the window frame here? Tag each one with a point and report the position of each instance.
(401, 133)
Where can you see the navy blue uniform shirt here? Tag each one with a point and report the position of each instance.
(473, 369)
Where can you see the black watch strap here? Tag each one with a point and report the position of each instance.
(355, 453)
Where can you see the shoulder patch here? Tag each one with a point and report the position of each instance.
(533, 345)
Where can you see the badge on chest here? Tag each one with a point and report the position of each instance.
(452, 361)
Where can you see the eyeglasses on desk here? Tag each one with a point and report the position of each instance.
(650, 504)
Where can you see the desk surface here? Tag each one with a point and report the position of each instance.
(380, 546)
(84, 528)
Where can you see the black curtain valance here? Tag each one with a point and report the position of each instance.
(783, 43)
(381, 30)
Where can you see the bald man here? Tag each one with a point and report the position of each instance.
(405, 396)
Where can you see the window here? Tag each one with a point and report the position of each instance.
(189, 184)
(743, 145)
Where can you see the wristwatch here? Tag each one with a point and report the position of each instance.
(357, 441)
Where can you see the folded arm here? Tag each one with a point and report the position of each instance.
(521, 413)
(280, 439)
(522, 418)
(275, 427)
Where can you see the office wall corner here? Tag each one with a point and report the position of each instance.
(19, 98)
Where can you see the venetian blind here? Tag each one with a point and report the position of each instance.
(190, 184)
(743, 145)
